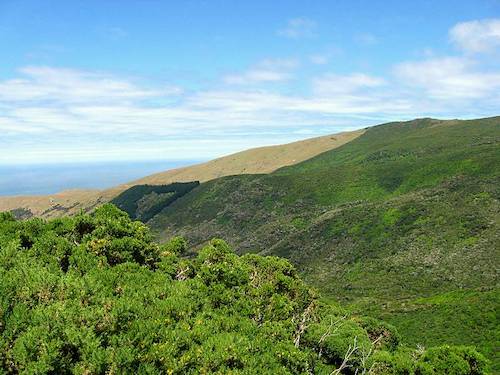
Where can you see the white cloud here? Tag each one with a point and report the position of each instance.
(256, 76)
(477, 36)
(69, 85)
(337, 84)
(300, 27)
(36, 109)
(450, 78)
(270, 70)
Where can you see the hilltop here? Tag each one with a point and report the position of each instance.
(258, 160)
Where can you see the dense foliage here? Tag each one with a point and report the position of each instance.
(93, 294)
(401, 223)
(142, 202)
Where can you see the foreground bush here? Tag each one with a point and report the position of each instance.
(94, 295)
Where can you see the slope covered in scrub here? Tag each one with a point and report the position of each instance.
(405, 214)
(94, 294)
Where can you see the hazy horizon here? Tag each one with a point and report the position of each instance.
(43, 179)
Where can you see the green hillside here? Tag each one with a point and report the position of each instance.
(401, 223)
(93, 294)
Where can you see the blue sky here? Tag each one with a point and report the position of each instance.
(190, 80)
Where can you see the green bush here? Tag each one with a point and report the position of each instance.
(392, 363)
(458, 360)
(385, 335)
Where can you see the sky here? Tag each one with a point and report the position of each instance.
(97, 80)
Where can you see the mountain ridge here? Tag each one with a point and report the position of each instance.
(255, 160)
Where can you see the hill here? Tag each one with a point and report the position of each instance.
(93, 294)
(401, 223)
(258, 160)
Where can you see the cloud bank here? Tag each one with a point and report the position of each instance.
(53, 114)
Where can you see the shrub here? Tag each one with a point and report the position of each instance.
(453, 360)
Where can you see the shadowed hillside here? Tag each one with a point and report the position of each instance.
(142, 202)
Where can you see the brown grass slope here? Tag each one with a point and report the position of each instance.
(257, 160)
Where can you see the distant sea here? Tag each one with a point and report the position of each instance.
(52, 178)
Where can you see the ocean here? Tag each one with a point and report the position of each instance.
(52, 178)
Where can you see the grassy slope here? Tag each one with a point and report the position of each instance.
(398, 222)
(258, 160)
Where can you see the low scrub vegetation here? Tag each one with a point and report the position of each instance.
(407, 210)
(94, 294)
